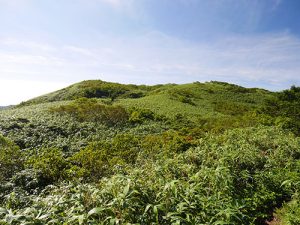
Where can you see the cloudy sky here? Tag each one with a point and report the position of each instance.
(48, 44)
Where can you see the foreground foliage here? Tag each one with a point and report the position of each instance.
(234, 178)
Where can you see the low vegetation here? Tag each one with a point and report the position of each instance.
(105, 153)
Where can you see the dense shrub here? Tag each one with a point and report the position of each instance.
(138, 115)
(230, 108)
(184, 96)
(11, 160)
(104, 158)
(234, 178)
(284, 108)
(50, 164)
(289, 214)
(84, 109)
(260, 160)
(165, 145)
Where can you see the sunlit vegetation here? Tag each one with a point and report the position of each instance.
(106, 153)
(85, 109)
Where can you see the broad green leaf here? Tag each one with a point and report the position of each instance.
(94, 211)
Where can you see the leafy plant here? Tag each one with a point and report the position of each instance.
(84, 109)
(10, 159)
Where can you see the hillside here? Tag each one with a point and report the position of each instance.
(4, 107)
(106, 153)
(95, 89)
(192, 100)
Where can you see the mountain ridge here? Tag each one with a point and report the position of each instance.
(113, 90)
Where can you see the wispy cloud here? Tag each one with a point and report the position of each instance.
(79, 50)
(121, 5)
(275, 4)
(29, 45)
(10, 89)
(114, 3)
(270, 61)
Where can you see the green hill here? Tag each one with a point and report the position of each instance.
(95, 89)
(106, 153)
(191, 100)
(102, 89)
(202, 107)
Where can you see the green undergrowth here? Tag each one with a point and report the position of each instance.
(234, 178)
(107, 153)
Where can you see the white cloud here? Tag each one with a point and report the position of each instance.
(78, 50)
(16, 91)
(15, 6)
(27, 44)
(114, 3)
(270, 61)
(122, 5)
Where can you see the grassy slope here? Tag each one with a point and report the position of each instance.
(93, 88)
(31, 124)
(237, 155)
(194, 99)
(204, 98)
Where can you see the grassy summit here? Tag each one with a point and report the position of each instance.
(192, 100)
(102, 89)
(95, 89)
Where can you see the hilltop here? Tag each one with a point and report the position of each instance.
(194, 153)
(103, 89)
(196, 107)
(192, 100)
(95, 89)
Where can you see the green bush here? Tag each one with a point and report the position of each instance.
(230, 108)
(260, 160)
(11, 159)
(289, 214)
(50, 165)
(138, 115)
(184, 96)
(103, 158)
(284, 108)
(84, 109)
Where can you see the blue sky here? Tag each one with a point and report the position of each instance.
(48, 44)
